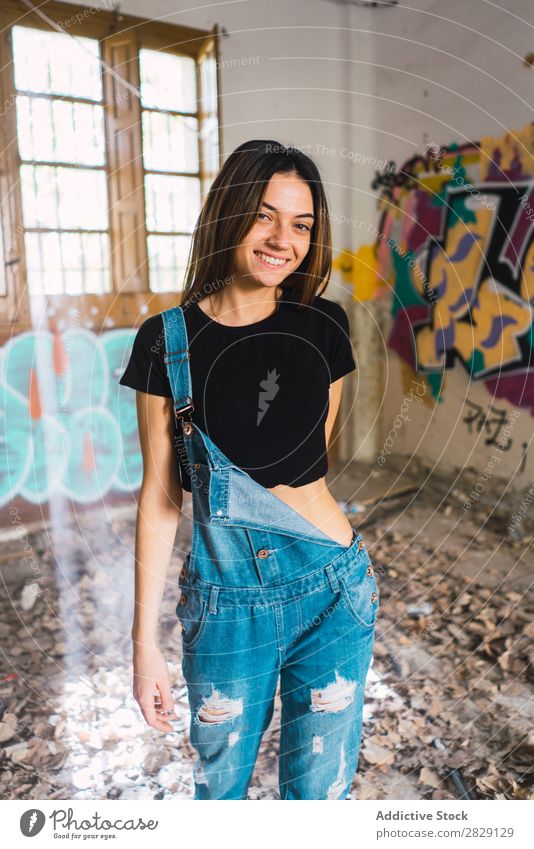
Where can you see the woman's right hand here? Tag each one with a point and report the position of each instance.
(151, 686)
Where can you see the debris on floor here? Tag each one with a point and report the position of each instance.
(449, 709)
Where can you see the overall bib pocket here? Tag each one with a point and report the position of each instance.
(359, 591)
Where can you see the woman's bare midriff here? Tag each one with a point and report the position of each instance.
(315, 502)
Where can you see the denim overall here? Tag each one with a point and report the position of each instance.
(266, 595)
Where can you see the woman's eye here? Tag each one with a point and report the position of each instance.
(305, 228)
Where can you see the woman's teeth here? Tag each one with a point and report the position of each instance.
(270, 259)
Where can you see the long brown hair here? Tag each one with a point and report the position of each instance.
(230, 210)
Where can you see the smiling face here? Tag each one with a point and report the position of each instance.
(280, 237)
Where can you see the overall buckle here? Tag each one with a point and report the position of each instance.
(184, 406)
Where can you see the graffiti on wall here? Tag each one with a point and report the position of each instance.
(68, 427)
(497, 425)
(456, 245)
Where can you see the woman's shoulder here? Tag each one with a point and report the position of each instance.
(330, 318)
(150, 334)
(145, 370)
(329, 308)
(319, 304)
(151, 324)
(323, 316)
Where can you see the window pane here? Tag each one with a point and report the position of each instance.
(56, 63)
(69, 263)
(51, 282)
(96, 283)
(172, 203)
(60, 131)
(210, 125)
(167, 81)
(167, 259)
(64, 198)
(73, 281)
(170, 142)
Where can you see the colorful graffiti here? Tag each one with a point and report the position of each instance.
(456, 245)
(68, 427)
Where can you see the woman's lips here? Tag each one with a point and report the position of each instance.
(270, 264)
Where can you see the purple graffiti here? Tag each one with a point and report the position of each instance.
(428, 222)
(516, 388)
(464, 300)
(499, 322)
(441, 288)
(464, 246)
(505, 175)
(517, 239)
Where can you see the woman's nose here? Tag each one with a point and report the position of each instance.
(280, 234)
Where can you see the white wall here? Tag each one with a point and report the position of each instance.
(361, 86)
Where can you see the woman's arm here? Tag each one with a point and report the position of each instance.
(158, 513)
(336, 389)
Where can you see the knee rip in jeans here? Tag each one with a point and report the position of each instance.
(218, 708)
(335, 697)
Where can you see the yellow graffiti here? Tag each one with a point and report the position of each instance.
(360, 269)
(454, 273)
(495, 305)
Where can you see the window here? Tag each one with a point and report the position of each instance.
(111, 140)
(61, 141)
(171, 162)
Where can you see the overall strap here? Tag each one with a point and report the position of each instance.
(176, 359)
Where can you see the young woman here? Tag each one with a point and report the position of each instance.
(277, 586)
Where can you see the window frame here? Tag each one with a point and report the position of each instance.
(121, 38)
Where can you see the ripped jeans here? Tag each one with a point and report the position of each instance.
(316, 632)
(266, 596)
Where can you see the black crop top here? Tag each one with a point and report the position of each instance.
(260, 391)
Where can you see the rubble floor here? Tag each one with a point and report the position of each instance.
(449, 707)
